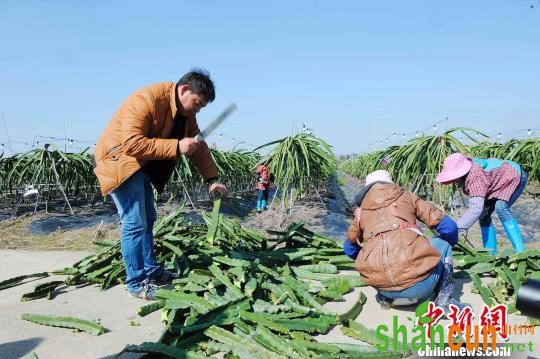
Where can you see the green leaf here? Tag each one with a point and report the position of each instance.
(425, 320)
(18, 280)
(65, 322)
(213, 227)
(422, 308)
(163, 350)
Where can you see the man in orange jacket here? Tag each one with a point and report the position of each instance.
(139, 147)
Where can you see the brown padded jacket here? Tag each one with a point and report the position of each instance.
(138, 133)
(393, 257)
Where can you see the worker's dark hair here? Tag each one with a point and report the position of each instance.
(199, 82)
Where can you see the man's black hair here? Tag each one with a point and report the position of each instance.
(199, 82)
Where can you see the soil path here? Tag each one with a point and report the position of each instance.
(112, 308)
(117, 312)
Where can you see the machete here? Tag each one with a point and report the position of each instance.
(212, 126)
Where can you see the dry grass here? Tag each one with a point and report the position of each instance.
(14, 234)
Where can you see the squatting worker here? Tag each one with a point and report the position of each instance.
(392, 254)
(139, 148)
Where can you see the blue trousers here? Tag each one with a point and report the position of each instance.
(263, 194)
(262, 199)
(134, 200)
(502, 207)
(425, 288)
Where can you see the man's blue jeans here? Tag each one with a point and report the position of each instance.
(134, 200)
(425, 288)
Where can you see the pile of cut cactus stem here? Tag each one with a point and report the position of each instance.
(245, 295)
(242, 297)
(510, 270)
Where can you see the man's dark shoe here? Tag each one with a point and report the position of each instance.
(166, 276)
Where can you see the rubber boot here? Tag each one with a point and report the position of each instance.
(258, 206)
(383, 301)
(446, 289)
(263, 204)
(512, 230)
(489, 238)
(446, 286)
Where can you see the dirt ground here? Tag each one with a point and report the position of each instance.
(334, 220)
(113, 309)
(331, 217)
(57, 233)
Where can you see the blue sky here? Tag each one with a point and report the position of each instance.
(354, 71)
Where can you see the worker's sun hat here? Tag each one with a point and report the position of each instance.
(378, 176)
(455, 166)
